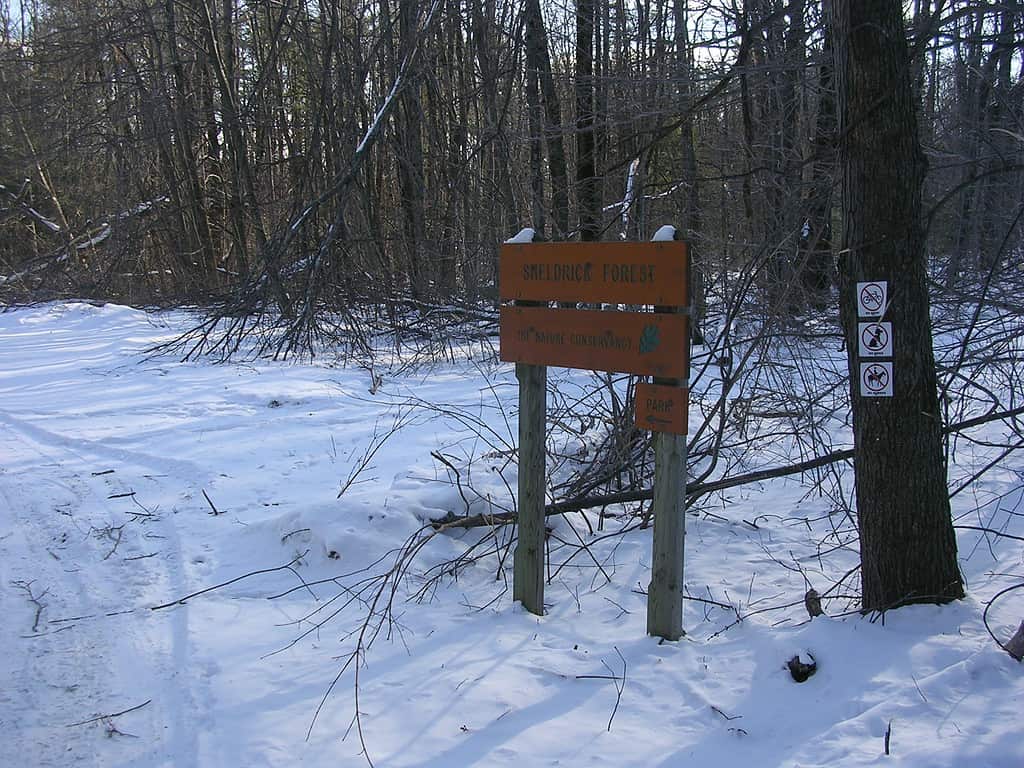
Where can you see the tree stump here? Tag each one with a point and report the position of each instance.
(1016, 645)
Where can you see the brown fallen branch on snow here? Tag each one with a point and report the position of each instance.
(693, 490)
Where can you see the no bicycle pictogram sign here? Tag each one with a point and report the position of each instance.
(871, 298)
(876, 379)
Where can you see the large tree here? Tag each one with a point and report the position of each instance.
(908, 547)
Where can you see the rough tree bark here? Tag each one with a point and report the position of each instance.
(908, 547)
(538, 60)
(410, 160)
(816, 236)
(689, 220)
(587, 183)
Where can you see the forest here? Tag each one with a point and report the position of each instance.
(231, 230)
(303, 160)
(310, 176)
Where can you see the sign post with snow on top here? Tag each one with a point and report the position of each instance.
(654, 343)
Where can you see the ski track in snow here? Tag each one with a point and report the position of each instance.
(85, 419)
(111, 662)
(75, 555)
(87, 556)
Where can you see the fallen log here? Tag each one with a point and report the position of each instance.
(693, 490)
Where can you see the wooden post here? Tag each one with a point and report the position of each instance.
(528, 573)
(534, 335)
(665, 594)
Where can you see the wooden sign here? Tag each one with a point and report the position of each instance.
(628, 342)
(662, 408)
(655, 344)
(620, 273)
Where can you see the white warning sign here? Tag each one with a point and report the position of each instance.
(872, 298)
(874, 339)
(876, 379)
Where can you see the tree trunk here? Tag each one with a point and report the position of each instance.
(689, 220)
(816, 233)
(908, 547)
(999, 199)
(410, 158)
(538, 215)
(967, 65)
(538, 60)
(505, 208)
(587, 183)
(743, 65)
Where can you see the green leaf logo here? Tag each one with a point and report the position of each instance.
(650, 338)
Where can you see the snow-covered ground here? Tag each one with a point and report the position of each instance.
(128, 482)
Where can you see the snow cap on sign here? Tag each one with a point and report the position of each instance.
(667, 232)
(525, 235)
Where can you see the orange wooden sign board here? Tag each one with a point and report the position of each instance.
(622, 273)
(628, 342)
(662, 408)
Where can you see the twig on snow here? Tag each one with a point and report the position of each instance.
(215, 511)
(286, 567)
(36, 600)
(109, 716)
(716, 710)
(1014, 647)
(619, 681)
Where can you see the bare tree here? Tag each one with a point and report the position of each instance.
(907, 543)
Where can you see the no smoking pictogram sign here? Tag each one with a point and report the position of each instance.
(871, 298)
(876, 379)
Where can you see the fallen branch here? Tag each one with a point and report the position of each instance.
(215, 511)
(107, 717)
(36, 600)
(286, 567)
(1015, 647)
(693, 490)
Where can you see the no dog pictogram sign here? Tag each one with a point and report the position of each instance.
(874, 339)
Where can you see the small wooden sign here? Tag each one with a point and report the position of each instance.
(644, 343)
(662, 408)
(621, 273)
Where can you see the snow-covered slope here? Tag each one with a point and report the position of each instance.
(129, 482)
